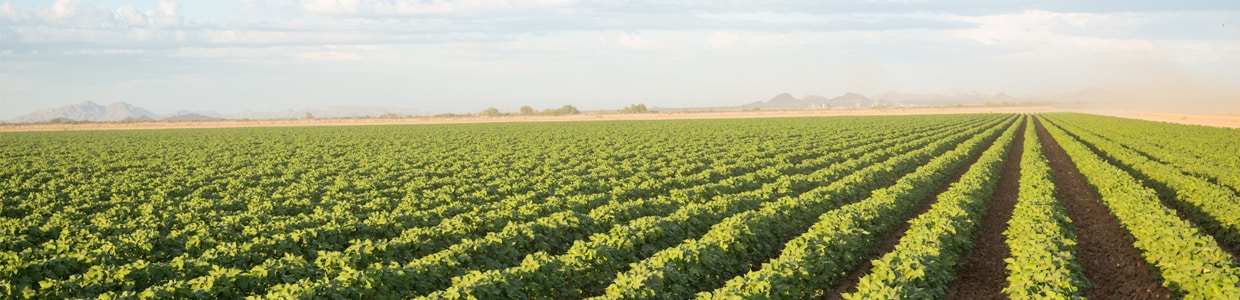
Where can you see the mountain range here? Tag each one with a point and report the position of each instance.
(121, 111)
(787, 101)
(89, 111)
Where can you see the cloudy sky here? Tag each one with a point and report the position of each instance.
(463, 56)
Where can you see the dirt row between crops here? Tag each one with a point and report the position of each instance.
(1167, 197)
(984, 273)
(1111, 263)
(848, 284)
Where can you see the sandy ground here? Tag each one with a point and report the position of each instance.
(666, 115)
(1228, 121)
(1217, 120)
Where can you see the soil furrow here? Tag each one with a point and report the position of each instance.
(983, 273)
(848, 284)
(1111, 263)
(1167, 195)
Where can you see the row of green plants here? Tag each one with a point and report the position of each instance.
(1190, 262)
(506, 247)
(843, 238)
(738, 243)
(1201, 151)
(1214, 207)
(231, 212)
(588, 267)
(246, 255)
(744, 175)
(339, 222)
(925, 259)
(1043, 247)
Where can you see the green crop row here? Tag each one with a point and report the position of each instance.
(508, 247)
(1214, 207)
(227, 212)
(588, 267)
(924, 261)
(305, 238)
(1043, 262)
(740, 242)
(1200, 151)
(844, 237)
(1190, 262)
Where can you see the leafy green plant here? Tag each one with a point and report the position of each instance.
(1043, 262)
(1191, 263)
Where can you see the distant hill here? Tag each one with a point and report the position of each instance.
(330, 112)
(89, 111)
(121, 111)
(191, 117)
(784, 100)
(787, 101)
(942, 98)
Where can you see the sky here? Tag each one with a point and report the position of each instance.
(464, 56)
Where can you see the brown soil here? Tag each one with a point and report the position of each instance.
(1227, 121)
(1167, 196)
(983, 273)
(1111, 263)
(848, 284)
(662, 115)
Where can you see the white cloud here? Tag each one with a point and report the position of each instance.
(636, 41)
(721, 39)
(105, 51)
(1054, 29)
(7, 12)
(450, 42)
(232, 52)
(166, 13)
(434, 7)
(62, 9)
(130, 15)
(332, 55)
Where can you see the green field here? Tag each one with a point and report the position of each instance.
(751, 208)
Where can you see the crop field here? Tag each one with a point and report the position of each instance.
(1053, 205)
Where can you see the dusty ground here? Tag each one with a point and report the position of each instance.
(1217, 120)
(983, 274)
(849, 283)
(667, 115)
(1228, 121)
(1111, 263)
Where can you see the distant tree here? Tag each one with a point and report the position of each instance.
(564, 110)
(492, 112)
(309, 116)
(634, 109)
(567, 110)
(527, 110)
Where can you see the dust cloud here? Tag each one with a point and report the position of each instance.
(1147, 83)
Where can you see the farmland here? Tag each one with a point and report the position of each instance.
(855, 207)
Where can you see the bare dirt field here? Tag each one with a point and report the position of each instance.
(663, 115)
(1228, 121)
(1216, 120)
